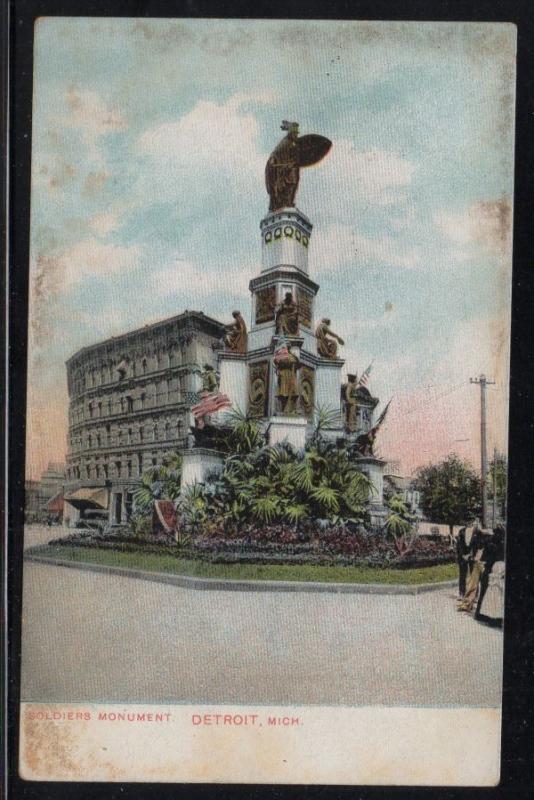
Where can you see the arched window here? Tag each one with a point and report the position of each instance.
(144, 364)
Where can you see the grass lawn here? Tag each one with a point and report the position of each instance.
(152, 562)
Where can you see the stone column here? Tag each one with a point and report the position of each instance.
(233, 372)
(328, 386)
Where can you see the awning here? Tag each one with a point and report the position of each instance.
(55, 504)
(90, 497)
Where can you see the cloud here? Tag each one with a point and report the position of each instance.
(377, 177)
(338, 246)
(215, 147)
(89, 112)
(88, 258)
(92, 117)
(483, 225)
(107, 221)
(187, 278)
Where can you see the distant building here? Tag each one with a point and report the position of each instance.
(39, 493)
(394, 483)
(129, 406)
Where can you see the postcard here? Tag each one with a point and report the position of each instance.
(268, 372)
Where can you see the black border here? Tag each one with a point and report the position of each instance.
(517, 777)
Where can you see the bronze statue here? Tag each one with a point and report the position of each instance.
(350, 398)
(287, 316)
(287, 365)
(210, 382)
(236, 334)
(283, 166)
(326, 346)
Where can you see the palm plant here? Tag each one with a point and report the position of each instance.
(159, 483)
(244, 435)
(400, 525)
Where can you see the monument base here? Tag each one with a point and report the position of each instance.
(374, 468)
(233, 370)
(197, 464)
(287, 429)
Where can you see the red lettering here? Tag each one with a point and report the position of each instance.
(196, 719)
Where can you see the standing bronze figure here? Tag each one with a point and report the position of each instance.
(350, 398)
(283, 167)
(287, 316)
(287, 365)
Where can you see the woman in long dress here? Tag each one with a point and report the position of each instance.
(492, 606)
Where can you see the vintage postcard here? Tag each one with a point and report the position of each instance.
(267, 401)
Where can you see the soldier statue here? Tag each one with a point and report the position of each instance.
(350, 398)
(286, 365)
(210, 382)
(287, 316)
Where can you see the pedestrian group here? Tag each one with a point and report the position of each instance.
(480, 554)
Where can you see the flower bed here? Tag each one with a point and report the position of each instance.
(274, 544)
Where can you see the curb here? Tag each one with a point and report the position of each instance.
(228, 584)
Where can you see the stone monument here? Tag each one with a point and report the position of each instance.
(286, 366)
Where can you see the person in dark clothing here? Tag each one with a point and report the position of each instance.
(467, 537)
(475, 568)
(462, 551)
(493, 551)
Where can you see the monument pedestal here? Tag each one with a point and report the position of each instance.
(197, 464)
(374, 468)
(291, 429)
(233, 371)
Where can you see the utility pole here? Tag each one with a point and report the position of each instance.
(494, 485)
(483, 381)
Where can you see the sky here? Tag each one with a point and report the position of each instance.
(149, 143)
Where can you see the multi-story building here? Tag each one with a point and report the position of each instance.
(129, 405)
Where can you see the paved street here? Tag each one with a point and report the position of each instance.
(89, 636)
(42, 534)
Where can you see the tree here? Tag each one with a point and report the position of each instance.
(450, 492)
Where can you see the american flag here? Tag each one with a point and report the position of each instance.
(364, 380)
(281, 355)
(209, 404)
